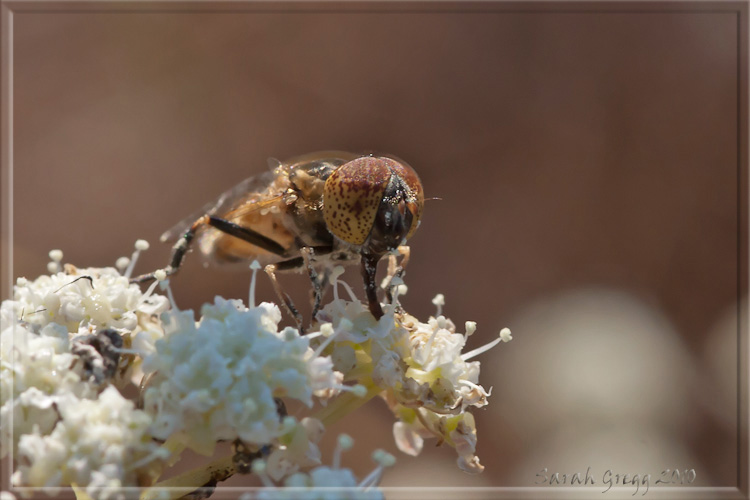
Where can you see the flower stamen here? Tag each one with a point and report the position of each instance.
(164, 285)
(503, 337)
(358, 390)
(122, 263)
(140, 245)
(344, 442)
(55, 265)
(329, 333)
(251, 295)
(383, 459)
(148, 292)
(259, 469)
(335, 274)
(439, 302)
(399, 288)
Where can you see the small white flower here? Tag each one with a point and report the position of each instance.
(436, 352)
(407, 440)
(122, 263)
(56, 255)
(388, 371)
(314, 429)
(344, 358)
(324, 380)
(464, 438)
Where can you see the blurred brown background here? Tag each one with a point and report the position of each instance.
(586, 163)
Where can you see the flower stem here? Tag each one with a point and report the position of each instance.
(347, 403)
(80, 492)
(187, 482)
(223, 468)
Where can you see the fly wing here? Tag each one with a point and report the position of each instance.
(257, 204)
(229, 200)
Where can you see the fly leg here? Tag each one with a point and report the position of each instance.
(180, 249)
(369, 269)
(325, 281)
(318, 281)
(395, 271)
(405, 251)
(283, 296)
(308, 255)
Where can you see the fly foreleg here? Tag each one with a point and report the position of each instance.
(395, 270)
(285, 299)
(317, 286)
(369, 269)
(179, 250)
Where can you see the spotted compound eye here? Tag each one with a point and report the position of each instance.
(352, 195)
(356, 191)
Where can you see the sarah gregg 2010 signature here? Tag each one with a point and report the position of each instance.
(610, 478)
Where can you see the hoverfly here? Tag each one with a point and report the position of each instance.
(333, 206)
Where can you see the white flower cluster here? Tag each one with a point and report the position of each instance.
(438, 387)
(83, 300)
(64, 342)
(37, 372)
(101, 444)
(218, 379)
(444, 380)
(426, 380)
(74, 342)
